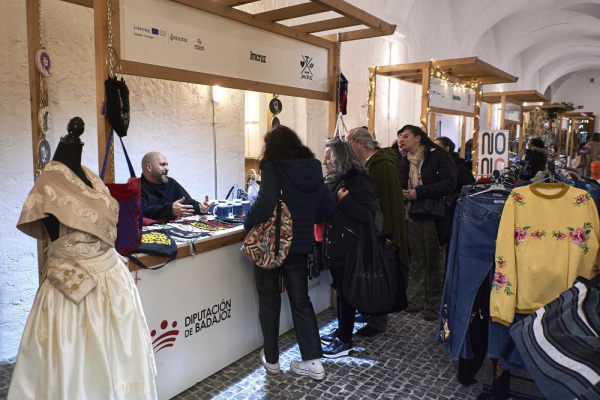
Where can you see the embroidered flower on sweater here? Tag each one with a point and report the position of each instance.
(558, 235)
(581, 199)
(500, 262)
(521, 234)
(580, 236)
(501, 282)
(518, 197)
(538, 235)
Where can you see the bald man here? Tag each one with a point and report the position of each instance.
(163, 198)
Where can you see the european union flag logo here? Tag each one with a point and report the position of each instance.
(154, 31)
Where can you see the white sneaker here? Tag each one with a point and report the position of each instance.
(312, 368)
(271, 368)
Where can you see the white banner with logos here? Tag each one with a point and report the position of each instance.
(169, 34)
(492, 152)
(202, 312)
(513, 112)
(456, 98)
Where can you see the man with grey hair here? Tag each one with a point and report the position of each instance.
(163, 198)
(381, 168)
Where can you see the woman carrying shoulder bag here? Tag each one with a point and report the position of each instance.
(356, 205)
(290, 166)
(428, 177)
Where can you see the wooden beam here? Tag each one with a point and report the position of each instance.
(216, 8)
(373, 89)
(362, 17)
(431, 130)
(325, 25)
(33, 45)
(425, 98)
(235, 3)
(489, 116)
(101, 56)
(502, 112)
(297, 11)
(463, 135)
(450, 112)
(333, 79)
(356, 35)
(476, 122)
(85, 3)
(179, 75)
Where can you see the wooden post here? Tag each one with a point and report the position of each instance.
(373, 89)
(489, 116)
(101, 57)
(334, 59)
(425, 97)
(432, 126)
(521, 133)
(478, 92)
(463, 135)
(502, 112)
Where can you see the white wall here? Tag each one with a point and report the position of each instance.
(579, 90)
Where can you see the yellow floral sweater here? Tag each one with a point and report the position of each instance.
(548, 236)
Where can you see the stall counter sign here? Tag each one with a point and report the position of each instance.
(492, 152)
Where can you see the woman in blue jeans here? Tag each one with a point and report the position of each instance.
(290, 167)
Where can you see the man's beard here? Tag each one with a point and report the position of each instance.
(162, 178)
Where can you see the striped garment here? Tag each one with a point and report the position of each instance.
(560, 343)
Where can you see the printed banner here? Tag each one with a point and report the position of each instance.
(169, 34)
(456, 98)
(492, 152)
(512, 112)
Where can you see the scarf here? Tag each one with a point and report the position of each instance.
(415, 161)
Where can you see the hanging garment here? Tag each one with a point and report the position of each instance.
(101, 347)
(548, 236)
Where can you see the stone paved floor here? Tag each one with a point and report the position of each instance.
(402, 363)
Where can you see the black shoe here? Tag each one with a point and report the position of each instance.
(337, 348)
(360, 318)
(329, 337)
(368, 331)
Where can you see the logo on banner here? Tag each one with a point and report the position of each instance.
(198, 45)
(307, 65)
(159, 32)
(166, 338)
(178, 38)
(258, 57)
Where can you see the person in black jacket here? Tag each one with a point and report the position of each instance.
(536, 157)
(427, 173)
(349, 182)
(290, 167)
(163, 198)
(464, 176)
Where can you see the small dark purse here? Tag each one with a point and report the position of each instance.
(117, 105)
(427, 209)
(158, 243)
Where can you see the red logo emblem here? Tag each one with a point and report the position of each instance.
(166, 338)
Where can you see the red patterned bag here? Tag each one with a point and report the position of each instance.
(129, 196)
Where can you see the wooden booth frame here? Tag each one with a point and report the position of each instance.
(573, 118)
(467, 72)
(519, 98)
(348, 15)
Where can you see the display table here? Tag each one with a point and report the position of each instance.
(202, 311)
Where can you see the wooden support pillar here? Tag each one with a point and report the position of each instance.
(502, 112)
(478, 92)
(101, 61)
(489, 116)
(432, 121)
(425, 98)
(372, 92)
(334, 59)
(521, 138)
(463, 135)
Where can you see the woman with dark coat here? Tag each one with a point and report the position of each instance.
(289, 166)
(464, 176)
(536, 158)
(349, 182)
(427, 172)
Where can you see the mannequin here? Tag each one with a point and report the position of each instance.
(68, 153)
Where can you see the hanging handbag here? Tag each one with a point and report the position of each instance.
(269, 242)
(427, 209)
(370, 284)
(560, 343)
(158, 243)
(117, 104)
(129, 196)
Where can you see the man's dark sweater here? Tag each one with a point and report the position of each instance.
(158, 199)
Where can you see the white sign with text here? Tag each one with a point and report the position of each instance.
(492, 152)
(456, 98)
(169, 34)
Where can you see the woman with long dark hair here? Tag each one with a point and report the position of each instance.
(349, 182)
(290, 167)
(427, 172)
